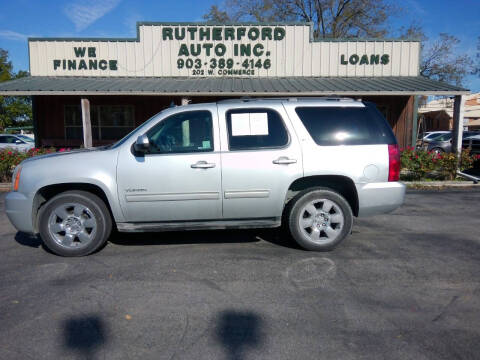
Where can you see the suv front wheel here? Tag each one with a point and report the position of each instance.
(74, 223)
(319, 219)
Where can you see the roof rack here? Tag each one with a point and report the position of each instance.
(303, 98)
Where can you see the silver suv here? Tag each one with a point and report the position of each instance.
(311, 164)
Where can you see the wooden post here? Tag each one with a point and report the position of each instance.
(86, 123)
(186, 126)
(457, 131)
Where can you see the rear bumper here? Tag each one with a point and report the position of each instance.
(379, 198)
(18, 208)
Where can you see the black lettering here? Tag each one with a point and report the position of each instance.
(198, 49)
(374, 59)
(258, 50)
(192, 31)
(385, 59)
(241, 32)
(92, 64)
(207, 47)
(278, 33)
(353, 59)
(245, 50)
(204, 34)
(167, 33)
(217, 34)
(91, 52)
(253, 33)
(183, 50)
(235, 50)
(364, 60)
(220, 50)
(102, 64)
(82, 65)
(112, 64)
(179, 35)
(72, 65)
(64, 63)
(56, 64)
(266, 33)
(229, 33)
(79, 51)
(343, 61)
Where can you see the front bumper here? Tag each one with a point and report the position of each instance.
(379, 198)
(18, 208)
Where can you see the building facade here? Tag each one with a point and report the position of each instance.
(126, 81)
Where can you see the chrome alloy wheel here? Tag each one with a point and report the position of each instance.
(321, 221)
(72, 225)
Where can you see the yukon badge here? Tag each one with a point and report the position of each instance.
(135, 190)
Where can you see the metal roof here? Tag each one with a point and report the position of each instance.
(228, 86)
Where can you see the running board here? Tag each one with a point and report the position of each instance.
(199, 225)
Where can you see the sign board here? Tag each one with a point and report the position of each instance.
(240, 50)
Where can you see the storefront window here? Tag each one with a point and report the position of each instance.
(109, 122)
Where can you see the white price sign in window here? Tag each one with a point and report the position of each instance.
(250, 124)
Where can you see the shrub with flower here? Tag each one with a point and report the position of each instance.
(420, 164)
(9, 159)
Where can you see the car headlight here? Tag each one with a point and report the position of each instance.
(16, 178)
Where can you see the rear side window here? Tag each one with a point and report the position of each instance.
(346, 125)
(255, 129)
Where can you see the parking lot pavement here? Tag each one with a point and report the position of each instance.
(404, 286)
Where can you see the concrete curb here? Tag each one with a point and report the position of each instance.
(439, 185)
(5, 187)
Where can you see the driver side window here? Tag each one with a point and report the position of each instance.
(185, 132)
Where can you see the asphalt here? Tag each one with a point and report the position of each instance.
(404, 286)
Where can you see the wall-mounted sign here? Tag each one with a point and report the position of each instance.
(189, 50)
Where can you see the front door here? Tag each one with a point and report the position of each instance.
(179, 178)
(261, 157)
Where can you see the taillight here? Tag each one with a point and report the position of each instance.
(393, 163)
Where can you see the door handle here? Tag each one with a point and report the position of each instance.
(283, 160)
(202, 165)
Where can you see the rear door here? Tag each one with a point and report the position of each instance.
(260, 157)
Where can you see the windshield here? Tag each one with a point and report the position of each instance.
(26, 138)
(126, 137)
(443, 137)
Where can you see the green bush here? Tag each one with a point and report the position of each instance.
(420, 164)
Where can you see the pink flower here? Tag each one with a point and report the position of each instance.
(62, 150)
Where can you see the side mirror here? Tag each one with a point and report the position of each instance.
(142, 144)
(18, 142)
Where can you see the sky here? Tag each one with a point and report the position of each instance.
(20, 19)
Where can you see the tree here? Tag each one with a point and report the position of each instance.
(330, 18)
(440, 59)
(14, 110)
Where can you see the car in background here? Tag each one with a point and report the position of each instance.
(16, 142)
(472, 143)
(443, 143)
(430, 135)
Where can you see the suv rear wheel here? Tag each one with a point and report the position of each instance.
(319, 219)
(74, 223)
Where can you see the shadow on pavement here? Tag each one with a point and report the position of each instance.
(84, 335)
(237, 331)
(273, 236)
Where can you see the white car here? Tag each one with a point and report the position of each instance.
(16, 142)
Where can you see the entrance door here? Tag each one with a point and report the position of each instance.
(261, 157)
(180, 177)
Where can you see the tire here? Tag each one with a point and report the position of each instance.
(74, 223)
(319, 219)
